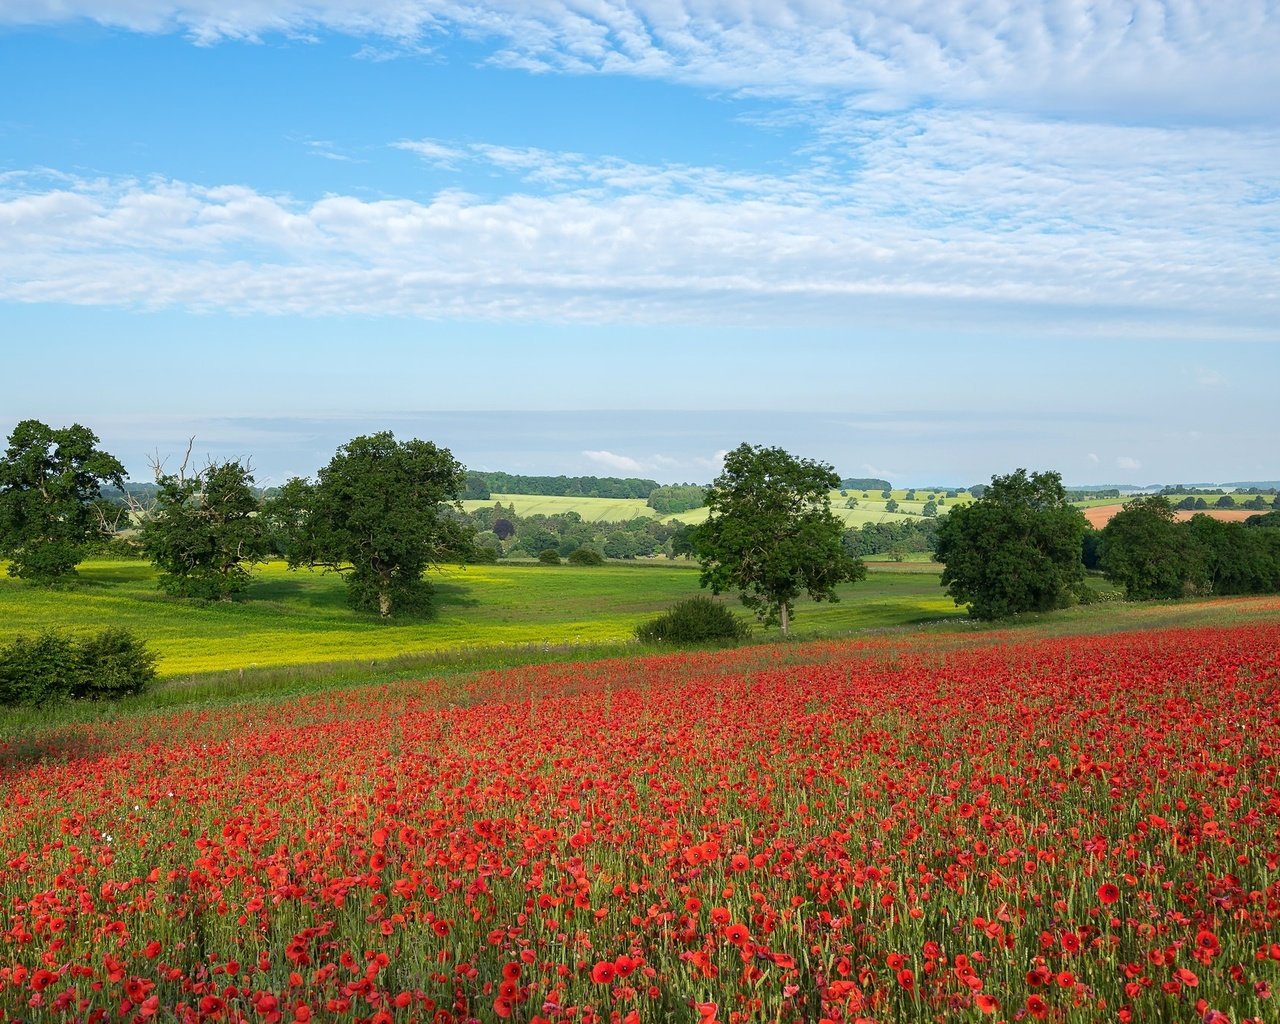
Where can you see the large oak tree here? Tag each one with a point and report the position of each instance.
(379, 513)
(771, 535)
(50, 483)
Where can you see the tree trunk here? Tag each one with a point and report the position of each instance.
(384, 604)
(785, 622)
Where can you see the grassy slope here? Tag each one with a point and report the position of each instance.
(296, 618)
(592, 510)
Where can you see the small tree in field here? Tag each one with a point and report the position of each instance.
(49, 483)
(204, 531)
(771, 535)
(377, 513)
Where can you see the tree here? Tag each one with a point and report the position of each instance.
(204, 530)
(50, 480)
(930, 509)
(376, 513)
(1015, 549)
(1143, 549)
(771, 535)
(891, 505)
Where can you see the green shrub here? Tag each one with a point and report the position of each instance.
(585, 556)
(112, 664)
(695, 621)
(35, 670)
(549, 557)
(49, 666)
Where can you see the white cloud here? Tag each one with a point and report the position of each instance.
(1109, 57)
(621, 463)
(1207, 378)
(1127, 462)
(1132, 228)
(1093, 458)
(432, 151)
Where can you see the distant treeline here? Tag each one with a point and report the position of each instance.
(676, 498)
(901, 538)
(864, 483)
(483, 485)
(1150, 554)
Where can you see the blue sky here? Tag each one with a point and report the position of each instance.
(929, 241)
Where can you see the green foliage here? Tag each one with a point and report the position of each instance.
(1016, 549)
(930, 509)
(114, 663)
(698, 620)
(1143, 550)
(49, 666)
(585, 556)
(204, 531)
(549, 556)
(891, 505)
(676, 498)
(377, 513)
(771, 534)
(863, 483)
(908, 535)
(1152, 556)
(50, 482)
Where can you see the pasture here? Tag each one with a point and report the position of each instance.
(301, 617)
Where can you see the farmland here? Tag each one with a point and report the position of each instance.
(290, 618)
(904, 827)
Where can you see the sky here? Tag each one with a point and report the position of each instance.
(929, 241)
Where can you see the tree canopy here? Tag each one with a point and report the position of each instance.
(379, 512)
(1015, 549)
(771, 535)
(50, 482)
(1143, 550)
(204, 530)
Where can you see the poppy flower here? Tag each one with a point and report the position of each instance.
(603, 973)
(1108, 893)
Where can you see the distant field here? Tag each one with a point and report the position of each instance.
(1100, 515)
(617, 510)
(297, 618)
(592, 510)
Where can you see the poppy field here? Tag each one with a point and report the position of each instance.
(910, 828)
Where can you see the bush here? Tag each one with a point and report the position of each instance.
(697, 620)
(585, 556)
(113, 664)
(49, 666)
(549, 557)
(37, 669)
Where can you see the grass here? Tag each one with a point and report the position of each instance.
(300, 618)
(617, 510)
(592, 510)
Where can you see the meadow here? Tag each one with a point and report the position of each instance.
(301, 617)
(945, 825)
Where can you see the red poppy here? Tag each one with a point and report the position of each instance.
(1108, 893)
(603, 973)
(738, 934)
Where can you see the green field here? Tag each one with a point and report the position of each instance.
(299, 618)
(592, 510)
(617, 510)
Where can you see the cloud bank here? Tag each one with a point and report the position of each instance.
(919, 207)
(1086, 56)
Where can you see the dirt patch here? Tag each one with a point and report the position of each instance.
(1100, 515)
(1227, 515)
